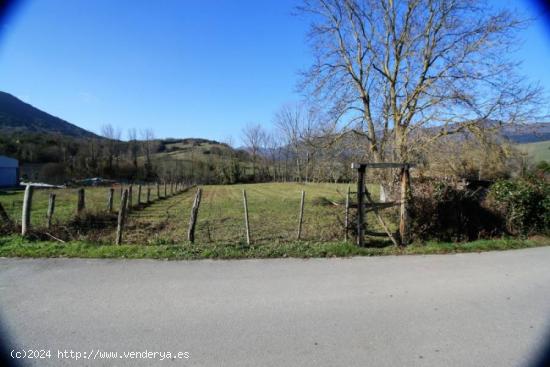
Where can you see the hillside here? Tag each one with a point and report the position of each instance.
(528, 133)
(17, 116)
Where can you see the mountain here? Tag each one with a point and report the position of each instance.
(529, 133)
(17, 116)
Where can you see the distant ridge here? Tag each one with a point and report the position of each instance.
(17, 116)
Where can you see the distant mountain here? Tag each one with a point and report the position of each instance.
(17, 116)
(529, 133)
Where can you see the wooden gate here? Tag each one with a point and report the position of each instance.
(365, 203)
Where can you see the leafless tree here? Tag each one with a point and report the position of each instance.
(133, 147)
(254, 139)
(300, 126)
(289, 120)
(388, 69)
(112, 145)
(148, 148)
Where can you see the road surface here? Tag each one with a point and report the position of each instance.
(488, 309)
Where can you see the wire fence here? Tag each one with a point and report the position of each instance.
(161, 213)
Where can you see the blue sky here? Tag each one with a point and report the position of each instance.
(185, 68)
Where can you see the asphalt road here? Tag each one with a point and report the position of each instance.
(488, 309)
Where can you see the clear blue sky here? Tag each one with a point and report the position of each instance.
(185, 68)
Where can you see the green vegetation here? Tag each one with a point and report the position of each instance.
(159, 230)
(539, 151)
(16, 246)
(65, 204)
(273, 212)
(524, 203)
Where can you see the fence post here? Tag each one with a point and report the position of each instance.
(148, 194)
(194, 215)
(27, 206)
(346, 218)
(81, 201)
(158, 191)
(171, 188)
(361, 206)
(110, 200)
(139, 195)
(4, 215)
(165, 189)
(121, 216)
(129, 199)
(404, 215)
(51, 208)
(300, 221)
(246, 222)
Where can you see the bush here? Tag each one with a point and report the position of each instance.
(445, 213)
(524, 203)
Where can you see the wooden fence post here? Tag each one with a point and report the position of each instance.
(110, 199)
(171, 188)
(121, 216)
(148, 194)
(129, 199)
(194, 215)
(301, 219)
(139, 195)
(404, 215)
(4, 215)
(361, 206)
(27, 206)
(246, 222)
(346, 218)
(51, 208)
(158, 191)
(81, 201)
(165, 189)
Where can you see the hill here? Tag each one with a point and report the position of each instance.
(528, 133)
(19, 117)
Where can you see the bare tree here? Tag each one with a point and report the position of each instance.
(254, 138)
(112, 145)
(388, 69)
(289, 122)
(148, 147)
(300, 125)
(133, 147)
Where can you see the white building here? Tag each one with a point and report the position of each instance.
(9, 172)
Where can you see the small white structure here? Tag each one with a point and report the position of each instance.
(9, 172)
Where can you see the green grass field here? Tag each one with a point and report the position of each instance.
(65, 203)
(159, 230)
(273, 212)
(538, 152)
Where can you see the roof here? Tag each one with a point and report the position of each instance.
(8, 162)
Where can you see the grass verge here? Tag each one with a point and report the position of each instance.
(17, 246)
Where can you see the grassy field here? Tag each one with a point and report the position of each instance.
(159, 229)
(539, 151)
(273, 212)
(65, 204)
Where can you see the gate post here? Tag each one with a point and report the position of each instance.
(361, 205)
(404, 215)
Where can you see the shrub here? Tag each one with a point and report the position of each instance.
(443, 212)
(524, 203)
